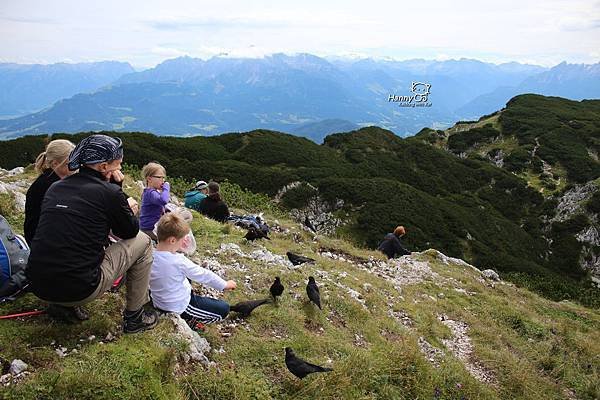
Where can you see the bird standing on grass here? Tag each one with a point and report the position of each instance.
(297, 259)
(276, 288)
(299, 367)
(245, 308)
(312, 290)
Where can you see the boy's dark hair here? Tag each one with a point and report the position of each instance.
(171, 225)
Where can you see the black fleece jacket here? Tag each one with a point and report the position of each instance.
(68, 247)
(392, 247)
(214, 207)
(33, 202)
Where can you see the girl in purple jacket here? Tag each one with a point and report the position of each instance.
(154, 198)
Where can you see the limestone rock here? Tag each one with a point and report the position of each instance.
(17, 366)
(16, 171)
(198, 347)
(490, 274)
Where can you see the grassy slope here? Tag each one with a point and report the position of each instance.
(535, 348)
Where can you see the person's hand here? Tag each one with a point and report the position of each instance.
(133, 204)
(116, 176)
(166, 185)
(230, 285)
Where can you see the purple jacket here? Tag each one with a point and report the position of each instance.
(153, 206)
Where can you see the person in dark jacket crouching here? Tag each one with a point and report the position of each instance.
(391, 245)
(69, 264)
(213, 206)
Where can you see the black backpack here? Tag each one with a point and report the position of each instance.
(14, 253)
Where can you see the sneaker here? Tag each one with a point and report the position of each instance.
(140, 320)
(67, 314)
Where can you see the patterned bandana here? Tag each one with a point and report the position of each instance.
(95, 149)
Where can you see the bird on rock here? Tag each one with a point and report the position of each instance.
(276, 288)
(297, 259)
(309, 224)
(245, 308)
(299, 367)
(312, 290)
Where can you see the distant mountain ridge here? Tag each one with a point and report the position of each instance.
(571, 81)
(187, 96)
(26, 88)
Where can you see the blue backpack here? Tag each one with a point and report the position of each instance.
(14, 253)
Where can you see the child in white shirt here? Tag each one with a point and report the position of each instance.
(170, 289)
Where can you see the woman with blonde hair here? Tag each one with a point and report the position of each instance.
(52, 166)
(155, 197)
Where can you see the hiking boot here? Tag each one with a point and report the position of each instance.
(140, 320)
(67, 314)
(81, 313)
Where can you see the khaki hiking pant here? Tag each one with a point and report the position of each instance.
(151, 235)
(132, 258)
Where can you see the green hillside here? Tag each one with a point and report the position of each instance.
(466, 206)
(549, 141)
(423, 327)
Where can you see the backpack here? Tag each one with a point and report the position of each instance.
(14, 253)
(251, 222)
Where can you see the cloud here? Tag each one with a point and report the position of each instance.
(167, 52)
(262, 21)
(30, 20)
(573, 24)
(186, 23)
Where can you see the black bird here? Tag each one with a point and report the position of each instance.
(297, 259)
(245, 308)
(299, 367)
(276, 288)
(312, 290)
(254, 233)
(309, 224)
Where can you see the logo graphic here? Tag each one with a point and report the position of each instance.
(418, 98)
(421, 90)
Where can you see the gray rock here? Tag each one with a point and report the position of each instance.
(490, 274)
(198, 347)
(573, 201)
(16, 171)
(20, 199)
(17, 366)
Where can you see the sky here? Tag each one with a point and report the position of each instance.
(147, 32)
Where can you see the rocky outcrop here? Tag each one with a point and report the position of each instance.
(316, 212)
(15, 188)
(197, 347)
(572, 203)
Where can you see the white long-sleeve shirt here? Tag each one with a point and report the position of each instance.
(171, 291)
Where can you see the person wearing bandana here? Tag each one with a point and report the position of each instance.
(71, 262)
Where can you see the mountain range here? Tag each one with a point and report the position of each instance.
(300, 94)
(26, 89)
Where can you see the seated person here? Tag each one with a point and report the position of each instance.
(194, 198)
(391, 245)
(213, 206)
(155, 197)
(69, 265)
(169, 285)
(52, 166)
